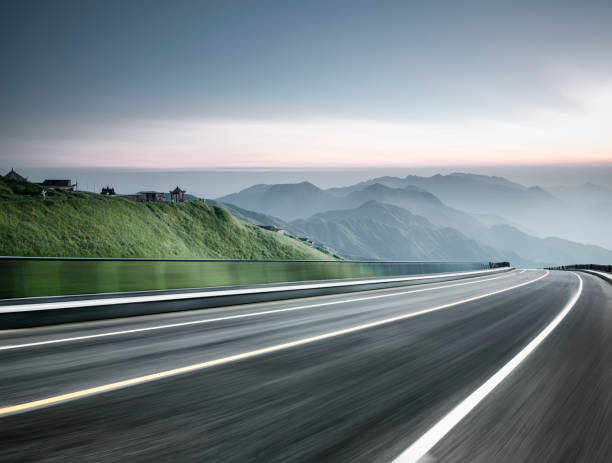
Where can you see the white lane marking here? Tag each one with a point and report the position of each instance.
(26, 406)
(227, 292)
(233, 317)
(427, 441)
(524, 270)
(606, 276)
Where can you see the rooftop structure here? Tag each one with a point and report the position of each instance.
(12, 175)
(177, 195)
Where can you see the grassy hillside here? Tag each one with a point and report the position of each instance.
(257, 218)
(81, 224)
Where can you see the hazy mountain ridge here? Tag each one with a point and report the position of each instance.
(582, 214)
(469, 192)
(302, 200)
(584, 193)
(419, 202)
(387, 232)
(439, 179)
(288, 200)
(545, 251)
(505, 238)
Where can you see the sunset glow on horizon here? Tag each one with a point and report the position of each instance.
(306, 85)
(543, 137)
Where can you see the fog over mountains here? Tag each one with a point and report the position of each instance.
(382, 231)
(457, 216)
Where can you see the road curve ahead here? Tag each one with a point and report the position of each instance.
(502, 368)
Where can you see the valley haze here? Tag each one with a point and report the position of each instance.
(476, 215)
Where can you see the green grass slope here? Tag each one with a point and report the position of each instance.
(78, 224)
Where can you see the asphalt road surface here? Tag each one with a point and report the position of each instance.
(504, 368)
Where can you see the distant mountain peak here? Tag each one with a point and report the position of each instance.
(541, 191)
(301, 186)
(260, 187)
(594, 187)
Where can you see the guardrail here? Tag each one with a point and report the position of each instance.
(602, 271)
(39, 311)
(598, 267)
(31, 277)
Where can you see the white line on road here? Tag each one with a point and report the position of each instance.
(27, 406)
(233, 317)
(605, 275)
(427, 441)
(226, 292)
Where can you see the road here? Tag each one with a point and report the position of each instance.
(367, 376)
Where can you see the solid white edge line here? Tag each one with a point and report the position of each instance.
(27, 406)
(233, 317)
(427, 441)
(605, 275)
(227, 292)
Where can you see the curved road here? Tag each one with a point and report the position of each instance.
(504, 368)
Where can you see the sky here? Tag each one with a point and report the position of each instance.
(294, 84)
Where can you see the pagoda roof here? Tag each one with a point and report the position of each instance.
(15, 176)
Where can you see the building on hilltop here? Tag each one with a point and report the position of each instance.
(153, 196)
(12, 175)
(60, 184)
(177, 195)
(108, 191)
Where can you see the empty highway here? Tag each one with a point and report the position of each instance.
(502, 368)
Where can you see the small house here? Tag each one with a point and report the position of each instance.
(153, 196)
(66, 185)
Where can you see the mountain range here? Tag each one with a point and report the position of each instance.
(582, 214)
(376, 230)
(456, 216)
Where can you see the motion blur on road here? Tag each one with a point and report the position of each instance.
(365, 376)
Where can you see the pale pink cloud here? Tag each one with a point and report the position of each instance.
(540, 137)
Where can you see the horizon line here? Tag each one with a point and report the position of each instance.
(322, 167)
